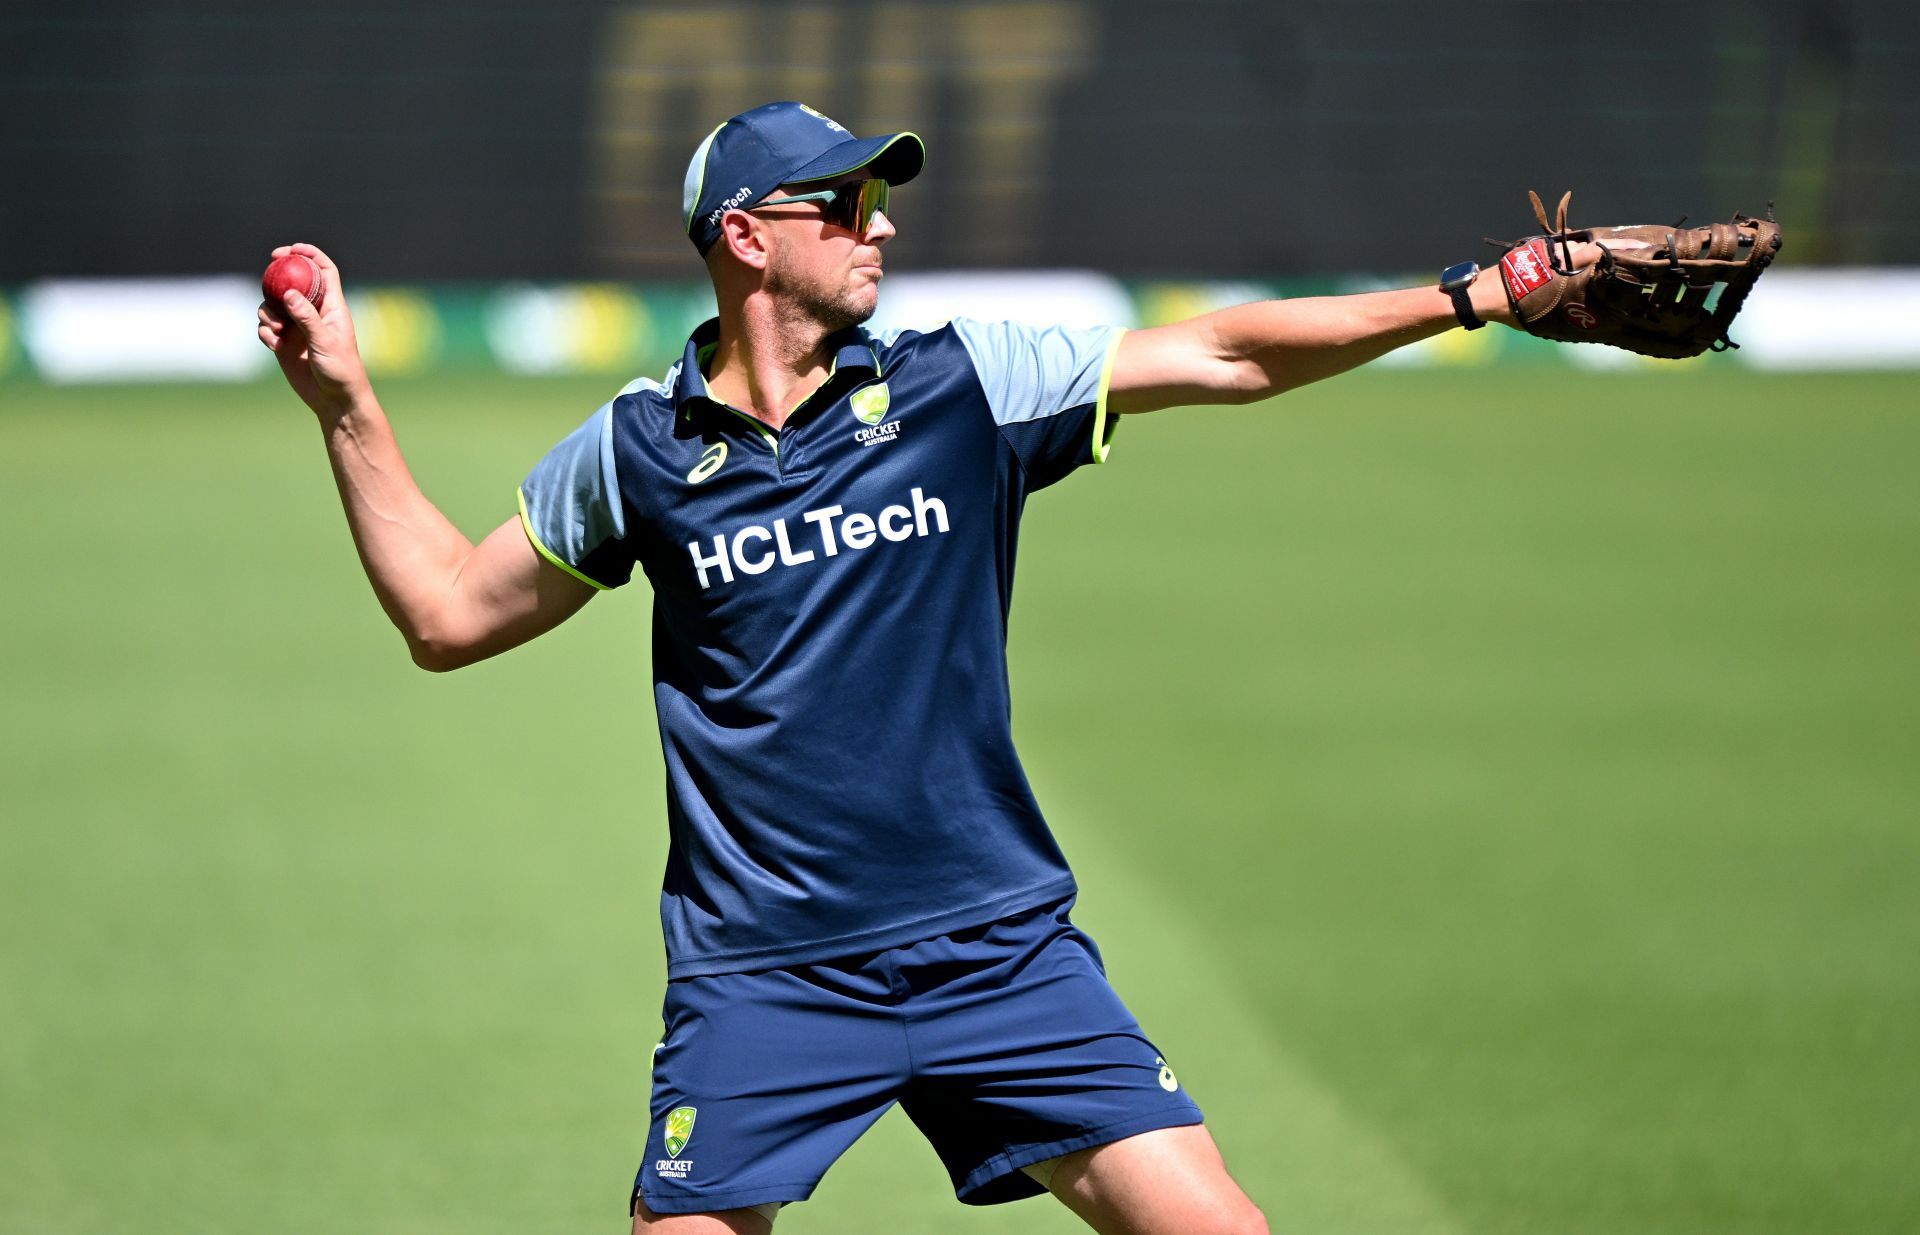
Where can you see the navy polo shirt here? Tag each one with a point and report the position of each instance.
(829, 629)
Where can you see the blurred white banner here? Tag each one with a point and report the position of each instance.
(125, 330)
(100, 330)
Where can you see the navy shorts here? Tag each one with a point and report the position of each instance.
(1004, 1043)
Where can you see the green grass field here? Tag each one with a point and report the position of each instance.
(1498, 800)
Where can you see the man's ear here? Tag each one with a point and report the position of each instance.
(745, 238)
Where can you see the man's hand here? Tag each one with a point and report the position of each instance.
(316, 347)
(1489, 293)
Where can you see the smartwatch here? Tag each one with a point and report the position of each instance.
(1454, 281)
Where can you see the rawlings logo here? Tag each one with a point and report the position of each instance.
(1525, 269)
(1581, 316)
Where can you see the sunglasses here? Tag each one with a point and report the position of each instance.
(851, 206)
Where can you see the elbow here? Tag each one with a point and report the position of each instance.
(1255, 382)
(433, 657)
(1247, 391)
(1246, 396)
(1272, 383)
(437, 653)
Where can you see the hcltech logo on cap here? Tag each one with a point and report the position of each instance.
(741, 194)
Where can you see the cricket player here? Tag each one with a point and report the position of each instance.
(862, 904)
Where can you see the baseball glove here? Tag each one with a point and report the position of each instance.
(1653, 291)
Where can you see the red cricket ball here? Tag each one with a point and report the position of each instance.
(296, 272)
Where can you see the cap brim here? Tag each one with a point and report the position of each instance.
(895, 158)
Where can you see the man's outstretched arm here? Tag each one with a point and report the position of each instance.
(454, 601)
(1255, 351)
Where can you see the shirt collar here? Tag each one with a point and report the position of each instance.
(854, 349)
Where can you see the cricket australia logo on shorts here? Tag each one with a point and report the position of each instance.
(679, 1132)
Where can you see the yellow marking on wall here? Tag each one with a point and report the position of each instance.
(1164, 303)
(673, 72)
(1466, 347)
(399, 331)
(612, 327)
(694, 65)
(1012, 60)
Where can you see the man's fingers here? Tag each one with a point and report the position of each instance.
(299, 308)
(329, 273)
(286, 344)
(319, 257)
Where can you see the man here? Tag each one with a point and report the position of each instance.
(862, 904)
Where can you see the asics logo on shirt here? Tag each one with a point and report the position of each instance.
(710, 460)
(754, 550)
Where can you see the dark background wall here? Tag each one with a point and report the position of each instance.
(1211, 137)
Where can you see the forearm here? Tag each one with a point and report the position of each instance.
(1280, 344)
(411, 552)
(1254, 351)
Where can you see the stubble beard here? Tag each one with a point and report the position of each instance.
(830, 309)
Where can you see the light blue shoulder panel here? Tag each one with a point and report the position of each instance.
(571, 499)
(1030, 372)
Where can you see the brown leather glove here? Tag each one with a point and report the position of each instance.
(1653, 291)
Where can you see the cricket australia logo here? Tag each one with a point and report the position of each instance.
(679, 1132)
(870, 405)
(680, 1128)
(830, 122)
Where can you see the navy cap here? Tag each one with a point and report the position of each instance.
(757, 151)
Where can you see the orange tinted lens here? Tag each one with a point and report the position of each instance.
(864, 199)
(873, 200)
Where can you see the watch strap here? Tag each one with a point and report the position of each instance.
(1463, 307)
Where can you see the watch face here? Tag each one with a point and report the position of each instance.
(1458, 275)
